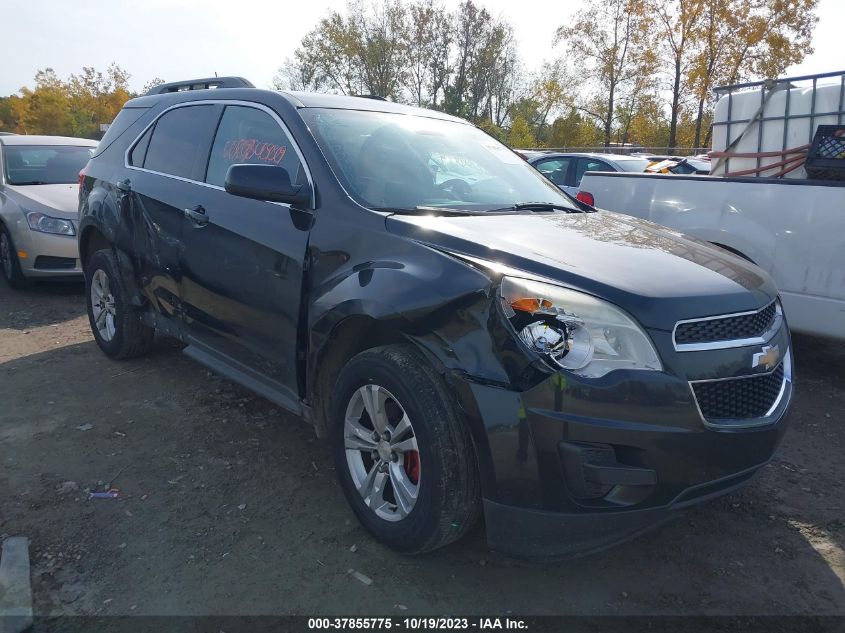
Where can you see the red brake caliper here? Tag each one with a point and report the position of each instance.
(412, 466)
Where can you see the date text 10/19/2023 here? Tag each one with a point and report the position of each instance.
(418, 624)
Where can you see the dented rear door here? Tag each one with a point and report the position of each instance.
(165, 166)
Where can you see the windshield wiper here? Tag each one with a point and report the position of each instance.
(544, 206)
(422, 210)
(30, 182)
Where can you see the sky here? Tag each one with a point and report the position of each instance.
(187, 39)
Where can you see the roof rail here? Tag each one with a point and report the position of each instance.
(201, 84)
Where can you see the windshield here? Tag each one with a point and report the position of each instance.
(44, 164)
(401, 162)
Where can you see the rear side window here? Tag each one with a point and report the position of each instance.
(180, 140)
(589, 164)
(249, 135)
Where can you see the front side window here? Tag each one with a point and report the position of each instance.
(179, 143)
(44, 164)
(555, 169)
(404, 162)
(249, 135)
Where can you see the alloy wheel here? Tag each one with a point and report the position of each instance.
(102, 305)
(382, 453)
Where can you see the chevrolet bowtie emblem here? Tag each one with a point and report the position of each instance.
(769, 357)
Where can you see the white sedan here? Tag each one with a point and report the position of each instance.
(39, 185)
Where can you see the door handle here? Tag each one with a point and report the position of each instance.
(197, 215)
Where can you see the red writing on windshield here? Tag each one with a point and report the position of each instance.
(252, 149)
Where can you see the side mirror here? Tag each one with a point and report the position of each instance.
(266, 182)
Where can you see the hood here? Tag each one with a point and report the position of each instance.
(61, 201)
(657, 275)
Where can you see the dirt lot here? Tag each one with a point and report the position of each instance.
(229, 506)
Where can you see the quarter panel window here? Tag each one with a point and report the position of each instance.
(250, 136)
(179, 144)
(139, 152)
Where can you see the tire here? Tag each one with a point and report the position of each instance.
(447, 502)
(10, 266)
(119, 333)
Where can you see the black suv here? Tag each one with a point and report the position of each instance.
(469, 338)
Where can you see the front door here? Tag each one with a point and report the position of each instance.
(242, 263)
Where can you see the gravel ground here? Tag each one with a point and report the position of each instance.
(229, 506)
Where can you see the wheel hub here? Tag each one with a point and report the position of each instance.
(384, 451)
(381, 452)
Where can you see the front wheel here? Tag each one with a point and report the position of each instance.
(115, 322)
(403, 455)
(9, 263)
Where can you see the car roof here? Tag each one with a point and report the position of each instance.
(345, 102)
(608, 156)
(297, 99)
(37, 139)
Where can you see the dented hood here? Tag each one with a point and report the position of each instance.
(658, 275)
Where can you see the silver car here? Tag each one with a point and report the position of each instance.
(39, 185)
(566, 170)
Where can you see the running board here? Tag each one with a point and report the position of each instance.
(273, 391)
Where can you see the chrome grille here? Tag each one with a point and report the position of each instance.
(744, 398)
(727, 328)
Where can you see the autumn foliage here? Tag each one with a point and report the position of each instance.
(621, 71)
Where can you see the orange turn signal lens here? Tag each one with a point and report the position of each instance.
(22, 255)
(531, 305)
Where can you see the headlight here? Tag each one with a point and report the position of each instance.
(48, 224)
(575, 331)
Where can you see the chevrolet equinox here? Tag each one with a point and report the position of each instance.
(470, 339)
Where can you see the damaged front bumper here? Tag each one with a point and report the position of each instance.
(570, 466)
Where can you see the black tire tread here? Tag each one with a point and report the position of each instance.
(459, 487)
(133, 338)
(17, 281)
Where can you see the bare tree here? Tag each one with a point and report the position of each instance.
(605, 42)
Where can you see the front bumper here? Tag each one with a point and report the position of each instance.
(572, 466)
(538, 534)
(47, 255)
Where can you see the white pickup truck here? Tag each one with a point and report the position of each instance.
(793, 229)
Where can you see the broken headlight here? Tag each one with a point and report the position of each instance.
(575, 331)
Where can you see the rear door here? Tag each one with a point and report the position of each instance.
(163, 166)
(242, 263)
(588, 164)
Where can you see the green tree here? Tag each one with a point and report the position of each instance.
(96, 98)
(46, 109)
(8, 113)
(520, 134)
